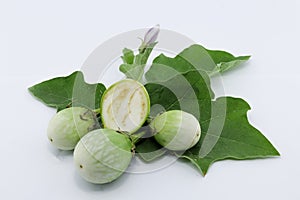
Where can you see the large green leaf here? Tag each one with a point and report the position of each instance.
(174, 84)
(189, 92)
(200, 58)
(182, 83)
(72, 90)
(237, 139)
(225, 61)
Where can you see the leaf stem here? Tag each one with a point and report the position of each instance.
(136, 137)
(97, 111)
(145, 131)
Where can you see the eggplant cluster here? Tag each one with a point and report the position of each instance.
(103, 153)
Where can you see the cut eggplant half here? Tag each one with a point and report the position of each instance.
(125, 106)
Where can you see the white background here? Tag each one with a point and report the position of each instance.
(44, 39)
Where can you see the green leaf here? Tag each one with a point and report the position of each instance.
(150, 150)
(226, 61)
(174, 84)
(200, 58)
(128, 56)
(144, 54)
(133, 66)
(132, 71)
(72, 90)
(189, 92)
(237, 139)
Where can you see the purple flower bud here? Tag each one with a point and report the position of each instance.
(151, 35)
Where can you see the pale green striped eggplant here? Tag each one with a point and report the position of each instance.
(102, 155)
(176, 130)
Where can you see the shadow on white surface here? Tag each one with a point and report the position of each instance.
(88, 187)
(80, 183)
(60, 154)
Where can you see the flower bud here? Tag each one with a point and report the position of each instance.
(151, 35)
